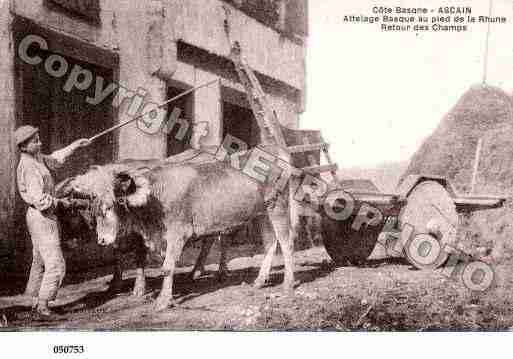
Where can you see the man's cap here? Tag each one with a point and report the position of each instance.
(24, 133)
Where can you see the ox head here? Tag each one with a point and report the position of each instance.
(113, 193)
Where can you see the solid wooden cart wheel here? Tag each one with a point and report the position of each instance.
(346, 245)
(430, 222)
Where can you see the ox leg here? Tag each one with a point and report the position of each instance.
(116, 283)
(140, 282)
(287, 248)
(270, 245)
(265, 268)
(223, 265)
(280, 220)
(175, 244)
(140, 261)
(199, 266)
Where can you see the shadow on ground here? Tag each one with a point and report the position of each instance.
(96, 302)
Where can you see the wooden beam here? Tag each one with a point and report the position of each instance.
(469, 204)
(308, 148)
(320, 169)
(376, 199)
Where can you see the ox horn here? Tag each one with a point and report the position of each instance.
(64, 188)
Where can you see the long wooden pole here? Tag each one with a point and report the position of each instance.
(485, 59)
(476, 165)
(124, 123)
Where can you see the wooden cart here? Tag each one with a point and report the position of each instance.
(424, 210)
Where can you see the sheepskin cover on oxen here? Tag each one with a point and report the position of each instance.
(102, 184)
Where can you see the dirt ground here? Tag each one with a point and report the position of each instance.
(381, 295)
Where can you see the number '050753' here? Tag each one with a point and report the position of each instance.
(68, 349)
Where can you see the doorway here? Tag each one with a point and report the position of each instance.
(62, 117)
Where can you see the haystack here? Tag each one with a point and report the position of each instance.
(487, 113)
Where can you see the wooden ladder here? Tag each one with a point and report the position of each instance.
(267, 119)
(265, 116)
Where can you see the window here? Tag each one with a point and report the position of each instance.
(239, 122)
(185, 104)
(290, 19)
(86, 9)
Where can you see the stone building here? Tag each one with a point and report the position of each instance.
(152, 49)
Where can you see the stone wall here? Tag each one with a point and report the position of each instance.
(7, 153)
(282, 59)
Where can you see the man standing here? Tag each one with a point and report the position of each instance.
(36, 187)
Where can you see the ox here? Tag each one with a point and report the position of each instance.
(171, 204)
(77, 225)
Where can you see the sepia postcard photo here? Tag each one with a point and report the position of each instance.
(255, 165)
